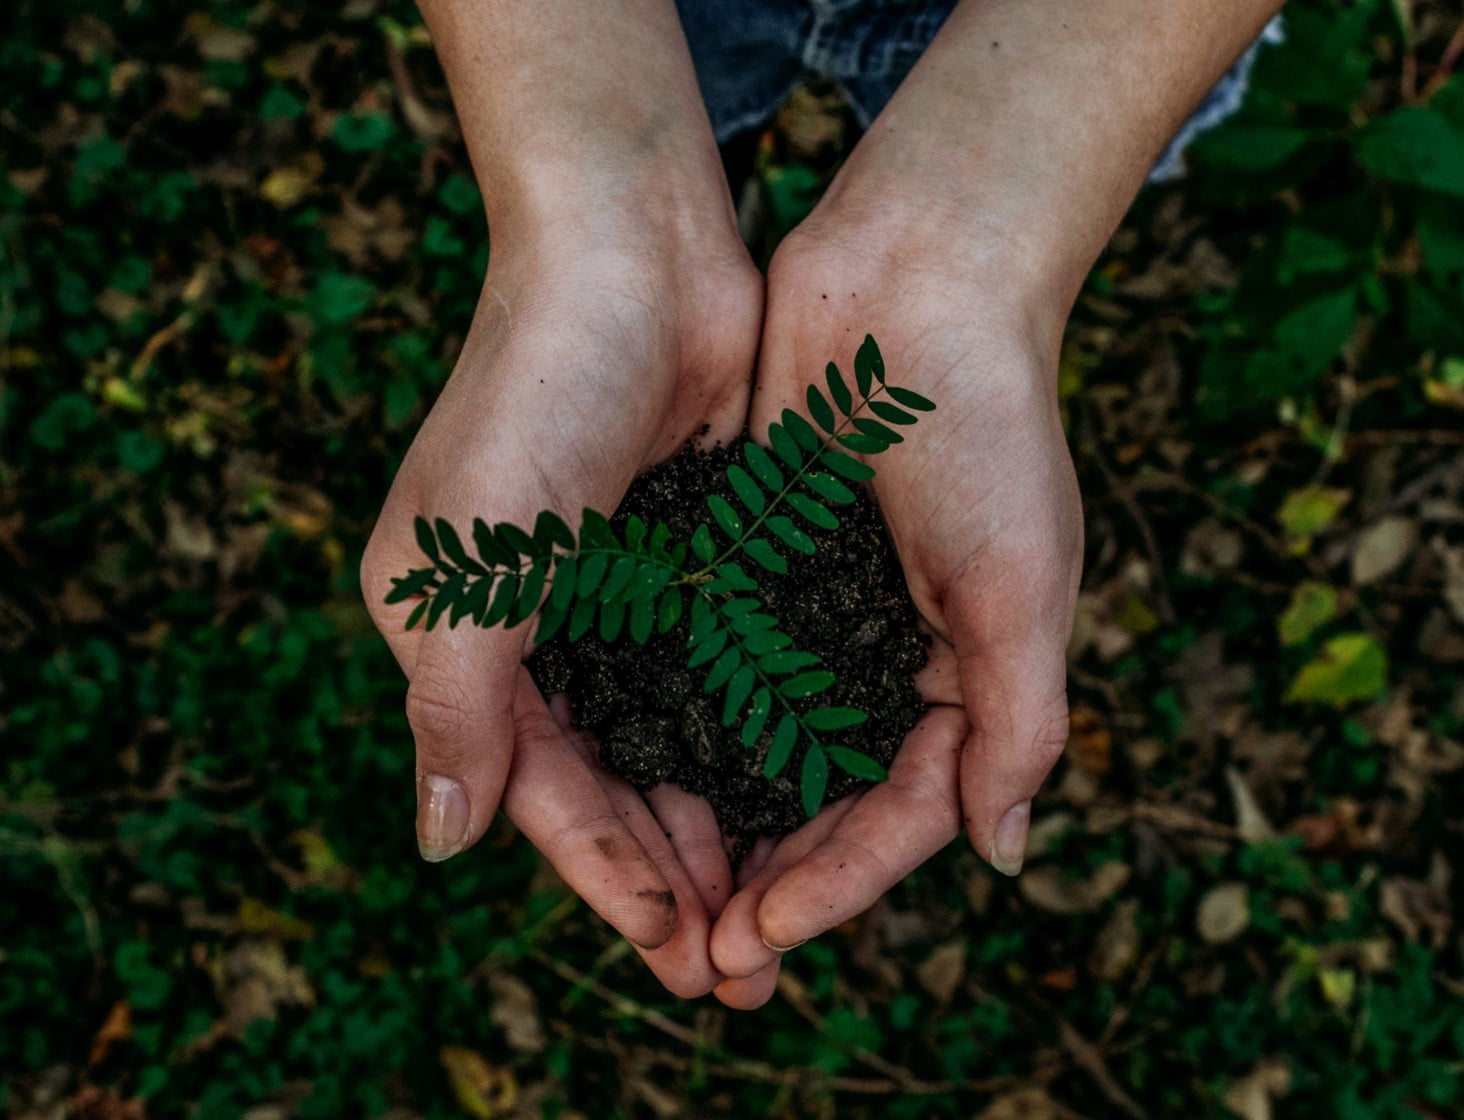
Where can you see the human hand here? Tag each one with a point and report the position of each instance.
(585, 364)
(982, 505)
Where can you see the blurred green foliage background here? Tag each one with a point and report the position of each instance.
(238, 249)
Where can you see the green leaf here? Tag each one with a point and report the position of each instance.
(703, 622)
(754, 624)
(615, 582)
(838, 389)
(886, 411)
(529, 593)
(561, 595)
(765, 555)
(504, 592)
(595, 531)
(760, 642)
(877, 430)
(910, 399)
(550, 529)
(635, 532)
(740, 608)
(493, 554)
(784, 737)
(413, 583)
(868, 365)
(763, 466)
(1313, 605)
(757, 716)
(476, 600)
(591, 571)
(551, 618)
(790, 534)
(707, 648)
(785, 446)
(828, 487)
(702, 544)
(801, 430)
(834, 719)
(461, 606)
(361, 132)
(723, 669)
(748, 491)
(725, 516)
(857, 763)
(731, 577)
(813, 782)
(1350, 667)
(642, 620)
(452, 545)
(853, 469)
(820, 409)
(612, 618)
(660, 536)
(863, 444)
(668, 614)
(514, 538)
(739, 688)
(1416, 145)
(806, 684)
(425, 539)
(811, 511)
(582, 618)
(417, 612)
(788, 661)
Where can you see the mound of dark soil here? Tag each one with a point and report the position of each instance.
(847, 603)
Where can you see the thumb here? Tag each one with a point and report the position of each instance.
(1014, 686)
(460, 698)
(460, 706)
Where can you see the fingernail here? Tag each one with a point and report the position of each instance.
(442, 818)
(783, 948)
(1009, 848)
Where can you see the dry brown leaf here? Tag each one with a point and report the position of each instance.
(941, 973)
(1250, 1096)
(516, 1013)
(116, 1028)
(1250, 822)
(1049, 888)
(1024, 1104)
(261, 918)
(257, 979)
(1381, 548)
(1223, 914)
(92, 1102)
(1090, 742)
(1117, 946)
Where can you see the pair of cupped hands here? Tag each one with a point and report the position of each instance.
(605, 339)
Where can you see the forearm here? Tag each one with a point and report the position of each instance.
(1032, 123)
(574, 110)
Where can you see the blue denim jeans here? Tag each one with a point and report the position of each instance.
(749, 55)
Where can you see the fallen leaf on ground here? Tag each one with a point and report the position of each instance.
(1223, 914)
(1048, 887)
(485, 1091)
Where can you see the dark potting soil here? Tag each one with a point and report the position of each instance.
(847, 603)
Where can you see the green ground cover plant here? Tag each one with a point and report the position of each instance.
(236, 243)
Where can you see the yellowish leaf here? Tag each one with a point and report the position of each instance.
(1350, 667)
(285, 186)
(1308, 511)
(257, 917)
(1338, 985)
(1313, 605)
(483, 1090)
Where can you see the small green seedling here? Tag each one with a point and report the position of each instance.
(640, 581)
